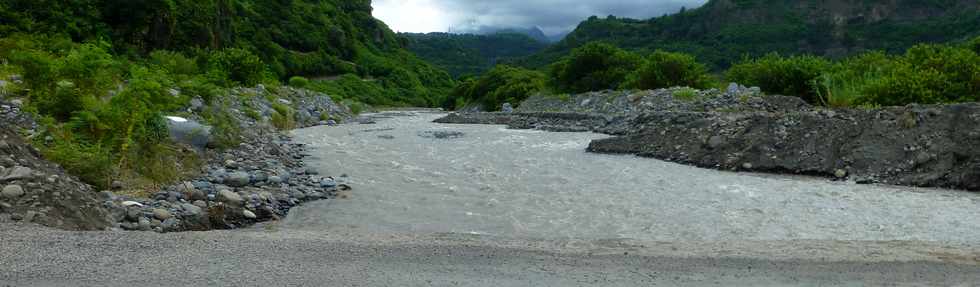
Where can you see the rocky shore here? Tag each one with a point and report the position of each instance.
(258, 180)
(742, 129)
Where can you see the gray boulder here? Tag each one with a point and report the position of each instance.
(18, 172)
(144, 224)
(197, 104)
(507, 108)
(733, 89)
(248, 214)
(229, 197)
(12, 191)
(260, 177)
(188, 132)
(191, 210)
(162, 214)
(238, 179)
(328, 183)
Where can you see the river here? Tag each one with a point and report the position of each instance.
(414, 176)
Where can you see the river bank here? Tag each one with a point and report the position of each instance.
(741, 129)
(259, 179)
(480, 205)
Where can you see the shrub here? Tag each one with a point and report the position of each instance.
(845, 84)
(355, 106)
(91, 163)
(666, 69)
(174, 63)
(299, 82)
(61, 86)
(958, 68)
(283, 117)
(236, 67)
(502, 84)
(224, 128)
(792, 76)
(686, 94)
(199, 87)
(592, 67)
(905, 84)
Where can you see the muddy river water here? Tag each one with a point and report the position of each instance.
(414, 176)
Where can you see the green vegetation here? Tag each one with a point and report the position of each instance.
(96, 127)
(925, 74)
(100, 74)
(245, 41)
(781, 75)
(723, 31)
(593, 67)
(283, 117)
(502, 84)
(467, 54)
(299, 82)
(686, 94)
(666, 69)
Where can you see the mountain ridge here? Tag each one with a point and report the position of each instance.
(467, 54)
(723, 31)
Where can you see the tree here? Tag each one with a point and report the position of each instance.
(666, 69)
(592, 67)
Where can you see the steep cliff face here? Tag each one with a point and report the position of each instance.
(722, 31)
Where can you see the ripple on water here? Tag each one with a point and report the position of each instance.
(520, 183)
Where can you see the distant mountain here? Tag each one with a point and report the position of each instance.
(463, 54)
(723, 31)
(533, 32)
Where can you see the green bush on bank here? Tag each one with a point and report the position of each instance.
(299, 82)
(781, 75)
(925, 74)
(593, 67)
(101, 115)
(665, 69)
(502, 84)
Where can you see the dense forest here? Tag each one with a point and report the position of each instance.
(470, 54)
(724, 31)
(308, 38)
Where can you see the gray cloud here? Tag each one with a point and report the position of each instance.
(552, 16)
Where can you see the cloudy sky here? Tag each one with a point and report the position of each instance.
(552, 16)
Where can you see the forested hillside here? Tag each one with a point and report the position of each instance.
(468, 54)
(723, 31)
(294, 37)
(99, 75)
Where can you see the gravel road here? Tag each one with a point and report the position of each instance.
(268, 256)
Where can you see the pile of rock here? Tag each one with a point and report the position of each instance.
(35, 190)
(258, 181)
(311, 108)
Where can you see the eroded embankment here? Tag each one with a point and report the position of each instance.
(928, 146)
(259, 179)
